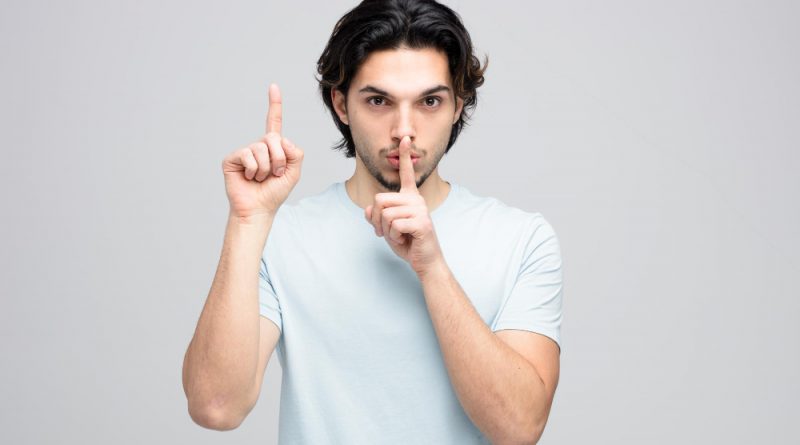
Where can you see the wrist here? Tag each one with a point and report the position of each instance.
(253, 220)
(435, 271)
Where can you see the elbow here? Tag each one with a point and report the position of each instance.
(526, 431)
(217, 412)
(214, 419)
(529, 438)
(533, 436)
(531, 424)
(530, 433)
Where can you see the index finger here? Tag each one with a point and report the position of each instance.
(408, 178)
(275, 112)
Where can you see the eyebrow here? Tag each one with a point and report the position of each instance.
(429, 91)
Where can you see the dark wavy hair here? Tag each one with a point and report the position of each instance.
(376, 25)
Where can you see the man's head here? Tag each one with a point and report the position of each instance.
(394, 68)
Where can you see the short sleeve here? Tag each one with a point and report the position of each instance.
(269, 305)
(534, 303)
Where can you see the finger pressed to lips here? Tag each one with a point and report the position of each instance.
(395, 162)
(408, 181)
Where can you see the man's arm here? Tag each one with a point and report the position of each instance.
(505, 381)
(225, 361)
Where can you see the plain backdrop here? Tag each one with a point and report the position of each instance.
(659, 138)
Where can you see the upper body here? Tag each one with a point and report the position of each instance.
(360, 357)
(397, 291)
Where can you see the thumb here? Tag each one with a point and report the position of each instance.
(293, 153)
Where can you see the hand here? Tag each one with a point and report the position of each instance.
(403, 218)
(259, 177)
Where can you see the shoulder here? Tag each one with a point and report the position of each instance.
(309, 207)
(294, 221)
(494, 214)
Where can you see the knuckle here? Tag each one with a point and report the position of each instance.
(274, 147)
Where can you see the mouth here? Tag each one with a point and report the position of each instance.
(396, 154)
(395, 161)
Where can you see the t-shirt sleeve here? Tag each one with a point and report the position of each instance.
(269, 305)
(534, 303)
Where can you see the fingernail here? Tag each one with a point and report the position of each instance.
(279, 171)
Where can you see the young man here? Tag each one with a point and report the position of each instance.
(404, 309)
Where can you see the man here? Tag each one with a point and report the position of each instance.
(404, 309)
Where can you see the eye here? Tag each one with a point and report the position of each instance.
(376, 100)
(432, 101)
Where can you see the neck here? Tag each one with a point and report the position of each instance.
(362, 188)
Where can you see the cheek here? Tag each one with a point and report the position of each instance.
(442, 118)
(370, 126)
(366, 133)
(441, 124)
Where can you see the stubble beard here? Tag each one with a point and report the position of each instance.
(371, 165)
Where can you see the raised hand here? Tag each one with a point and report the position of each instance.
(403, 219)
(259, 177)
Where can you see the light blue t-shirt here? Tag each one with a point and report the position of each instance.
(360, 358)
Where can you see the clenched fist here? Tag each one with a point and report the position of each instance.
(259, 177)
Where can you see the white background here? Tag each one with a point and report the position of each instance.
(660, 139)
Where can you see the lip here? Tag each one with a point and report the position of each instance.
(396, 161)
(396, 154)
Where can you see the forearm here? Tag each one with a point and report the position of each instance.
(499, 389)
(221, 361)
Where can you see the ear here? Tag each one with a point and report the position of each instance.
(459, 109)
(339, 105)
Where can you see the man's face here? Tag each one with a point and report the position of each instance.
(397, 93)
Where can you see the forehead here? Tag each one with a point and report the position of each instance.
(403, 70)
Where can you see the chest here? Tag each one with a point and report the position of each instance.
(366, 289)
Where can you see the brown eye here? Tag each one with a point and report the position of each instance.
(375, 100)
(432, 101)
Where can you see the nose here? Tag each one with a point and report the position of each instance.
(403, 124)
